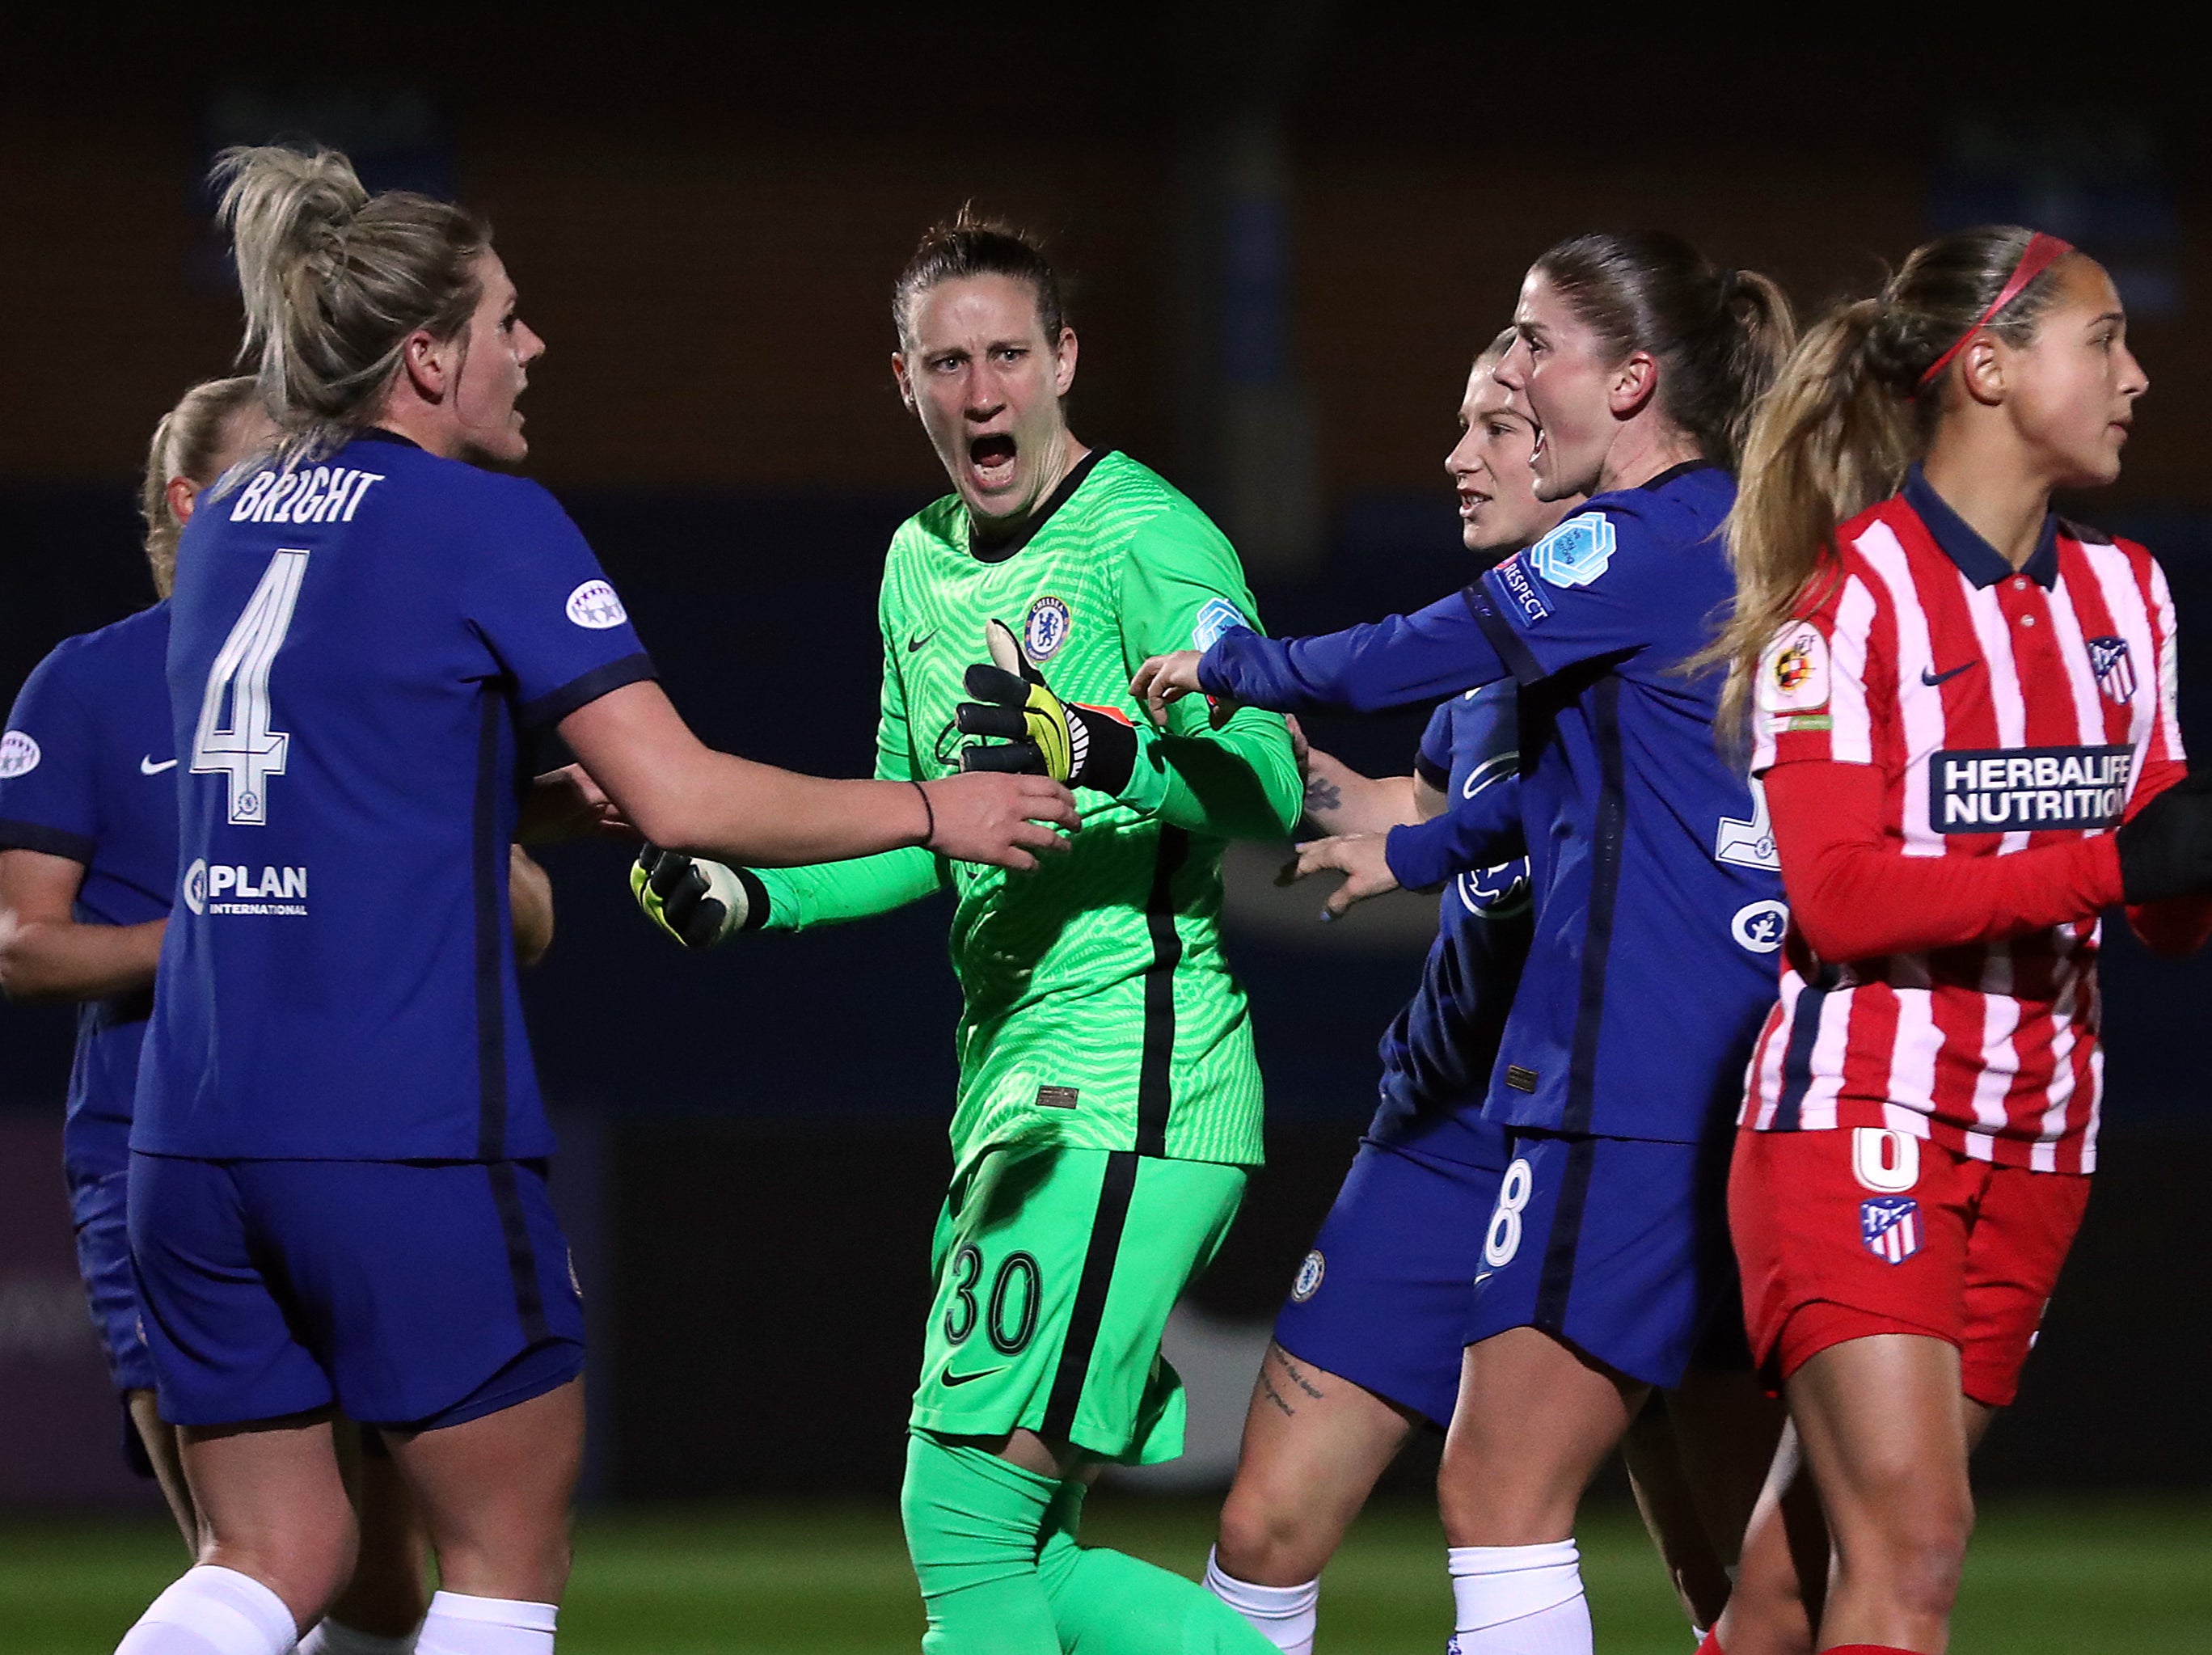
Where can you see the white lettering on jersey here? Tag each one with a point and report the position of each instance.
(362, 482)
(234, 888)
(19, 755)
(594, 606)
(250, 497)
(324, 494)
(1999, 790)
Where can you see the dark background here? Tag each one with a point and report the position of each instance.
(1286, 229)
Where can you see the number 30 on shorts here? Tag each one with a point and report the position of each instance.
(1008, 1312)
(1503, 1239)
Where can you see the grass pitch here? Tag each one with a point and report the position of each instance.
(2083, 1577)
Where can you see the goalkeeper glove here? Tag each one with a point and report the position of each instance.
(1082, 746)
(696, 902)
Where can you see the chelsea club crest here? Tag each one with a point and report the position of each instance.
(1046, 630)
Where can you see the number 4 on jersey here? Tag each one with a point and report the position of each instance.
(1748, 844)
(246, 749)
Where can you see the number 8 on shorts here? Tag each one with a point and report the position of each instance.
(1503, 1239)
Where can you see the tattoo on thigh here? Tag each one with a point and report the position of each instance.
(1297, 1376)
(1323, 797)
(1267, 1387)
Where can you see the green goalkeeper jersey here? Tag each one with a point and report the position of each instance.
(1098, 1010)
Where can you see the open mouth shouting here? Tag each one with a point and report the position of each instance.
(990, 462)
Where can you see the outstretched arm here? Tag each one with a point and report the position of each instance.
(1433, 653)
(683, 795)
(1854, 895)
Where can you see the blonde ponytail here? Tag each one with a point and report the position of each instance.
(1830, 440)
(335, 281)
(1848, 414)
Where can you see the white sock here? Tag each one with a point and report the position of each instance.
(1284, 1615)
(1519, 1600)
(329, 1637)
(485, 1626)
(212, 1611)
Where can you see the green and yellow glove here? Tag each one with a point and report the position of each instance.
(1083, 746)
(696, 902)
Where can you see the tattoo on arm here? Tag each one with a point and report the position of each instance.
(1323, 796)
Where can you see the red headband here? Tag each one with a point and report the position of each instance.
(2041, 253)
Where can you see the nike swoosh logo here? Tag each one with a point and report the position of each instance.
(148, 767)
(952, 1379)
(916, 643)
(1931, 680)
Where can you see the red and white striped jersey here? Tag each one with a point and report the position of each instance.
(2004, 710)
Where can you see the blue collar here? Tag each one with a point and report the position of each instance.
(1977, 560)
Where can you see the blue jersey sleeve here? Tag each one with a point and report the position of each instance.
(547, 611)
(1479, 831)
(1588, 591)
(49, 797)
(1437, 651)
(1432, 760)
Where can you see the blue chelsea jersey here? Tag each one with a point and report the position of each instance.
(1659, 906)
(1658, 894)
(356, 646)
(1437, 1053)
(87, 771)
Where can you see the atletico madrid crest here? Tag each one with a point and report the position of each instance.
(1890, 1226)
(2116, 673)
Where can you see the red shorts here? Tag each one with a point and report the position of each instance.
(1856, 1231)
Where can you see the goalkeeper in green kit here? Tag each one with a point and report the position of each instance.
(1110, 1103)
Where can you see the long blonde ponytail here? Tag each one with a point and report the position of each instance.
(1846, 417)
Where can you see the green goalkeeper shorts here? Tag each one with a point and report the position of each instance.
(1055, 1270)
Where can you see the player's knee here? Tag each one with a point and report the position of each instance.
(1928, 1553)
(1916, 1543)
(1482, 1503)
(529, 1562)
(305, 1561)
(1271, 1541)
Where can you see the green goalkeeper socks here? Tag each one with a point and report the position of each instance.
(1107, 1602)
(972, 1521)
(993, 1546)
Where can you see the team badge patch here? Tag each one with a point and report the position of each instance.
(1217, 617)
(1046, 630)
(594, 606)
(1890, 1228)
(1793, 675)
(1577, 552)
(1307, 1283)
(19, 755)
(2116, 672)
